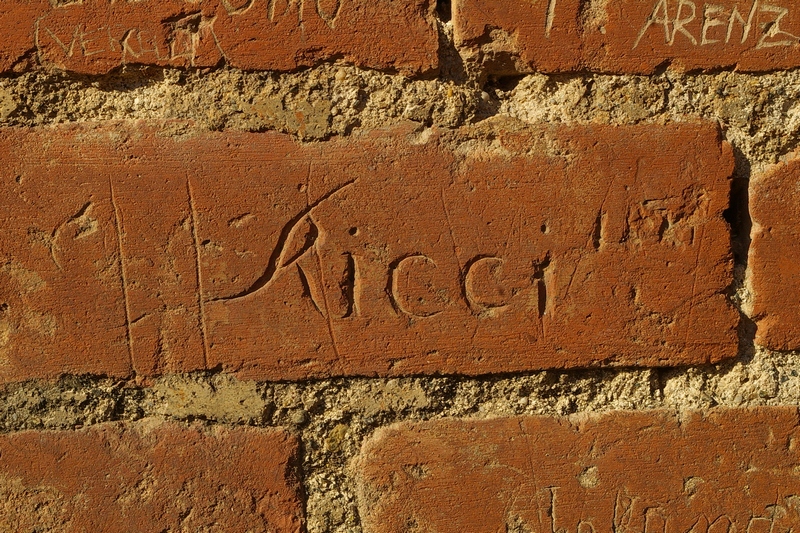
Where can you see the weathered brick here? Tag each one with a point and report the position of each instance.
(774, 273)
(389, 253)
(725, 471)
(628, 36)
(18, 20)
(519, 35)
(641, 35)
(95, 36)
(146, 477)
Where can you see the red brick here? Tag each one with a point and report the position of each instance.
(774, 273)
(695, 36)
(725, 471)
(95, 36)
(386, 254)
(119, 478)
(519, 35)
(628, 36)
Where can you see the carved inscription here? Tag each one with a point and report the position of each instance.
(759, 25)
(325, 10)
(587, 475)
(333, 260)
(482, 284)
(126, 33)
(415, 287)
(640, 36)
(95, 36)
(628, 36)
(538, 35)
(636, 514)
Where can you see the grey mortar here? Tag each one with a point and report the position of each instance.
(758, 113)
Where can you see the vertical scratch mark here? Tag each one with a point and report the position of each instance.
(572, 277)
(300, 22)
(531, 467)
(694, 286)
(608, 191)
(450, 228)
(551, 15)
(516, 220)
(327, 307)
(328, 316)
(540, 271)
(198, 271)
(123, 276)
(36, 41)
(210, 26)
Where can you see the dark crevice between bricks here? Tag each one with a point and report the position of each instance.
(738, 217)
(444, 9)
(738, 214)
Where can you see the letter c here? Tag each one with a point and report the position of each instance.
(417, 300)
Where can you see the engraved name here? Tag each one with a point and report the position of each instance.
(758, 24)
(411, 280)
(419, 287)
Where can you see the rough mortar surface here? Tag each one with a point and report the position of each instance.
(759, 115)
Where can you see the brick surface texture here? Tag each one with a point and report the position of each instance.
(625, 36)
(628, 36)
(775, 271)
(96, 36)
(717, 472)
(123, 477)
(127, 247)
(640, 36)
(413, 266)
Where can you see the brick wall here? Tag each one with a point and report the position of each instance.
(399, 266)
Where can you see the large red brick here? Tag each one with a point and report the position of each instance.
(628, 36)
(774, 273)
(95, 36)
(385, 254)
(725, 471)
(146, 477)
